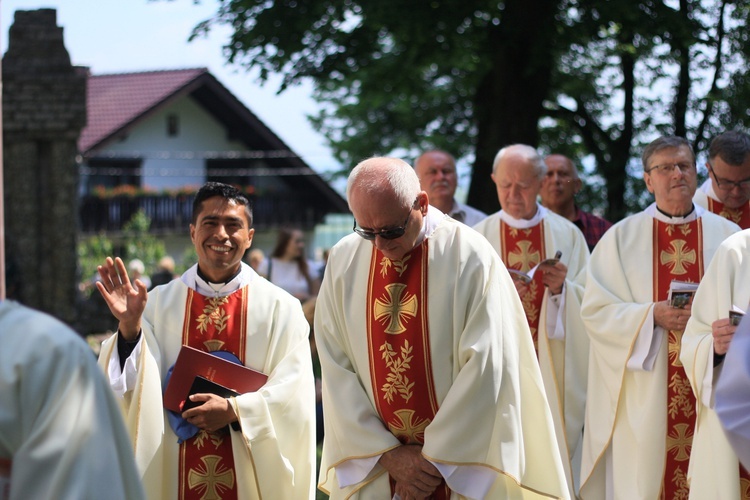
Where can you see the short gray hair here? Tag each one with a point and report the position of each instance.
(525, 151)
(664, 142)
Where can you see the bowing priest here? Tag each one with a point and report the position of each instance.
(525, 234)
(714, 470)
(255, 445)
(640, 411)
(430, 387)
(727, 190)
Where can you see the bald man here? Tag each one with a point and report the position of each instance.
(559, 188)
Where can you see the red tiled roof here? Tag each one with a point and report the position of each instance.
(115, 101)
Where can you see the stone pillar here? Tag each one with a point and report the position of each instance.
(44, 111)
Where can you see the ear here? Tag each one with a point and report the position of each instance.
(192, 233)
(647, 179)
(250, 233)
(578, 184)
(423, 201)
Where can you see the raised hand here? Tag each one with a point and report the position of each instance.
(125, 301)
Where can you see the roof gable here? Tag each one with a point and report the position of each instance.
(116, 101)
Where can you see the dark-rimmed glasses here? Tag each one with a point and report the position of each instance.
(668, 168)
(387, 234)
(726, 184)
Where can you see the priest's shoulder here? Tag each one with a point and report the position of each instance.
(23, 326)
(718, 220)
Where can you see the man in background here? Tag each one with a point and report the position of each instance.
(727, 190)
(525, 235)
(640, 410)
(714, 470)
(561, 184)
(436, 170)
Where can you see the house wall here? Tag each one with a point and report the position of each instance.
(165, 158)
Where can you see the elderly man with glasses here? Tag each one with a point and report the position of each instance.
(526, 236)
(430, 386)
(640, 409)
(727, 190)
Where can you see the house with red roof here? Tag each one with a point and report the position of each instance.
(153, 138)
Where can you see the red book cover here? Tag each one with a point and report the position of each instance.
(193, 363)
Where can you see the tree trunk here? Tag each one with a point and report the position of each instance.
(508, 102)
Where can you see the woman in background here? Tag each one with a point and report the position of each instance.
(288, 267)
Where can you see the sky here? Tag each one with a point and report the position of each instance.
(120, 36)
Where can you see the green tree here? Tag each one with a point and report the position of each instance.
(592, 78)
(466, 76)
(139, 244)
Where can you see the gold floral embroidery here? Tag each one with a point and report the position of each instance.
(396, 381)
(214, 314)
(682, 401)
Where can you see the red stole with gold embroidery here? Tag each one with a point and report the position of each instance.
(522, 249)
(399, 345)
(740, 216)
(206, 467)
(678, 255)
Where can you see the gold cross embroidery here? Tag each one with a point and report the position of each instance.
(409, 428)
(679, 257)
(680, 442)
(394, 309)
(212, 478)
(525, 255)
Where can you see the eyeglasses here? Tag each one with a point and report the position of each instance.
(668, 168)
(726, 184)
(387, 234)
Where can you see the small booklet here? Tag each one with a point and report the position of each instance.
(192, 363)
(201, 385)
(681, 293)
(735, 315)
(526, 277)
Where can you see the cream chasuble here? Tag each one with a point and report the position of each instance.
(625, 439)
(491, 412)
(273, 453)
(706, 198)
(714, 468)
(61, 432)
(563, 355)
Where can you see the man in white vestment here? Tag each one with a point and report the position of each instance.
(640, 410)
(430, 386)
(727, 190)
(436, 170)
(714, 469)
(61, 431)
(732, 398)
(255, 445)
(525, 234)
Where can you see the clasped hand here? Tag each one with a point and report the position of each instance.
(415, 476)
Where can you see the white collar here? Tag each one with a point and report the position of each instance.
(656, 214)
(540, 214)
(203, 287)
